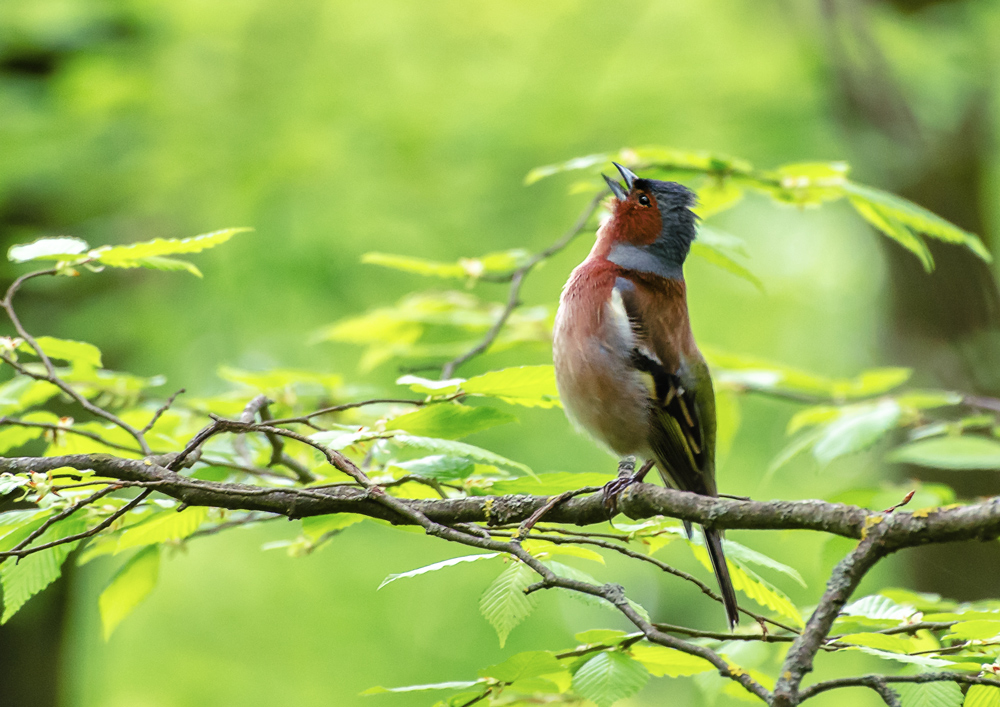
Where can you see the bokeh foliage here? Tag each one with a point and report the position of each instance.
(335, 131)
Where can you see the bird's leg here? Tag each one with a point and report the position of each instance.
(627, 475)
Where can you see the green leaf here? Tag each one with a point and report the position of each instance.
(915, 218)
(489, 264)
(440, 566)
(601, 635)
(449, 420)
(716, 196)
(570, 572)
(504, 603)
(522, 666)
(960, 453)
(277, 380)
(460, 450)
(35, 572)
(530, 386)
(77, 353)
(608, 677)
(857, 428)
(456, 685)
(745, 554)
(438, 466)
(930, 694)
(151, 253)
(982, 696)
(10, 482)
(545, 549)
(891, 644)
(752, 585)
(61, 248)
(129, 587)
(974, 630)
(551, 483)
(164, 526)
(879, 609)
(669, 662)
(315, 527)
(13, 437)
(722, 260)
(431, 387)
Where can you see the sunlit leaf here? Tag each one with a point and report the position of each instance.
(449, 420)
(521, 666)
(35, 572)
(130, 585)
(60, 248)
(77, 353)
(751, 584)
(166, 525)
(930, 694)
(504, 603)
(668, 662)
(982, 696)
(857, 428)
(456, 685)
(315, 527)
(460, 450)
(145, 254)
(608, 677)
(439, 566)
(551, 483)
(892, 644)
(959, 453)
(974, 630)
(531, 386)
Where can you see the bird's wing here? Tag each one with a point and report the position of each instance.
(681, 436)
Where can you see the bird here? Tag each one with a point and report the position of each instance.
(627, 367)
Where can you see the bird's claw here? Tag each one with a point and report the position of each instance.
(627, 475)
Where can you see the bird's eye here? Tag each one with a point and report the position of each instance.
(644, 200)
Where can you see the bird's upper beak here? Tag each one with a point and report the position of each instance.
(616, 188)
(627, 174)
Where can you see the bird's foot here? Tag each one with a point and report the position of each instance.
(627, 475)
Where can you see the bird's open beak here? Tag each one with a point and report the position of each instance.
(627, 174)
(616, 188)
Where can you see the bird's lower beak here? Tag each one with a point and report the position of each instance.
(627, 174)
(616, 188)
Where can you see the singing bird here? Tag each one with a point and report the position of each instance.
(627, 366)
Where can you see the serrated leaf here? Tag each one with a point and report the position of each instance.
(522, 666)
(915, 217)
(461, 450)
(35, 572)
(60, 248)
(608, 677)
(456, 685)
(530, 386)
(164, 526)
(438, 566)
(669, 662)
(857, 428)
(959, 453)
(139, 254)
(504, 603)
(982, 696)
(449, 420)
(930, 694)
(77, 353)
(752, 585)
(748, 555)
(129, 587)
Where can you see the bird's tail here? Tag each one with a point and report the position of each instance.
(713, 541)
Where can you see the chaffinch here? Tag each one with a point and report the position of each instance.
(627, 366)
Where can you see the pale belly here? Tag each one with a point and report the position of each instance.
(600, 390)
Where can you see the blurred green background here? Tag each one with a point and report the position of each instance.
(334, 128)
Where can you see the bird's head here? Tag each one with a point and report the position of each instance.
(652, 225)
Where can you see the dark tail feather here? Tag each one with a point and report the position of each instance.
(713, 541)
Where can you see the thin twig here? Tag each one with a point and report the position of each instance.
(162, 409)
(516, 280)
